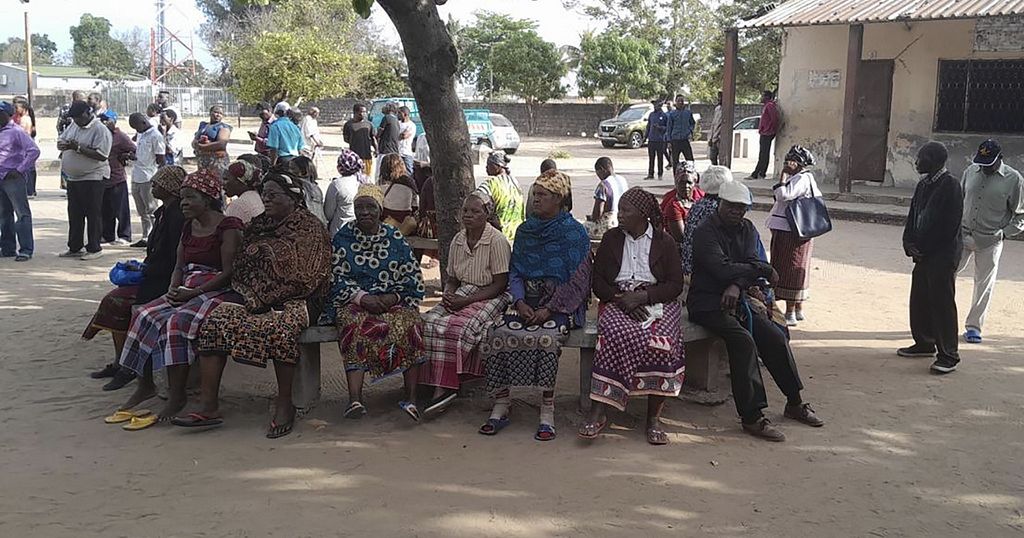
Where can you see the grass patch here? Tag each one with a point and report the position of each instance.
(559, 154)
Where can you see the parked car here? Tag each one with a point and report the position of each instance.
(487, 130)
(629, 127)
(746, 140)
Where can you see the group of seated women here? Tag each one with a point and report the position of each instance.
(246, 291)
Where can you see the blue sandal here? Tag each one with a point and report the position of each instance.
(972, 336)
(410, 409)
(494, 425)
(545, 432)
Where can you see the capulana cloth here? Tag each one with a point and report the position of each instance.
(736, 192)
(349, 163)
(371, 191)
(205, 181)
(713, 178)
(244, 172)
(556, 182)
(645, 203)
(170, 178)
(800, 155)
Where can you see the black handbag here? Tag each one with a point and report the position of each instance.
(808, 217)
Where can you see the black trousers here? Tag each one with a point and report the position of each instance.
(655, 151)
(116, 213)
(85, 205)
(713, 150)
(933, 316)
(770, 343)
(765, 154)
(681, 146)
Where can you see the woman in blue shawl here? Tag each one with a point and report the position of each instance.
(374, 301)
(549, 280)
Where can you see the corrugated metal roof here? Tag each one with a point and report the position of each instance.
(814, 12)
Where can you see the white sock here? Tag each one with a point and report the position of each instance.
(547, 410)
(502, 403)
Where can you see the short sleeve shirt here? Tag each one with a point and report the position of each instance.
(405, 144)
(477, 266)
(610, 190)
(150, 144)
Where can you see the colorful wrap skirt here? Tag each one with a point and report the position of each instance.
(452, 339)
(380, 344)
(520, 355)
(255, 339)
(114, 313)
(791, 258)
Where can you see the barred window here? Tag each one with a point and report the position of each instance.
(980, 96)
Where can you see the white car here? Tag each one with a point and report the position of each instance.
(504, 136)
(746, 140)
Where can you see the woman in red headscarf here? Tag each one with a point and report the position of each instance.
(164, 332)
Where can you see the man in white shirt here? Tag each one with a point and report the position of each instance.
(173, 137)
(85, 147)
(149, 156)
(310, 128)
(407, 132)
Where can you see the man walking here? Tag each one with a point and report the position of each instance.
(680, 127)
(115, 211)
(150, 155)
(657, 126)
(85, 147)
(18, 155)
(767, 128)
(715, 137)
(993, 210)
(358, 134)
(284, 140)
(932, 238)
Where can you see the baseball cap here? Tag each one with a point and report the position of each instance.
(735, 192)
(108, 115)
(988, 153)
(283, 106)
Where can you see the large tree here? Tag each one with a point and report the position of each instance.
(43, 50)
(477, 44)
(620, 68)
(106, 57)
(530, 68)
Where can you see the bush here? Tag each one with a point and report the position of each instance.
(559, 154)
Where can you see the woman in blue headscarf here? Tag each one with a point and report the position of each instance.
(549, 280)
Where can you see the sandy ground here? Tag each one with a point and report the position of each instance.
(904, 453)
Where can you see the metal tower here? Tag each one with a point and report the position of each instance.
(170, 49)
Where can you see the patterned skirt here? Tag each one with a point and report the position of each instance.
(255, 339)
(114, 313)
(380, 344)
(791, 258)
(517, 355)
(218, 161)
(452, 339)
(166, 334)
(632, 360)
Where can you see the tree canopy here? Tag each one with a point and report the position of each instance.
(94, 48)
(619, 68)
(43, 50)
(476, 44)
(529, 68)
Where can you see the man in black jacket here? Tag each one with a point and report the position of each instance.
(932, 238)
(725, 266)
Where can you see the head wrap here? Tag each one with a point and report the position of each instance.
(349, 163)
(645, 203)
(713, 179)
(556, 182)
(291, 185)
(282, 107)
(170, 178)
(801, 156)
(245, 173)
(371, 191)
(498, 158)
(205, 181)
(736, 192)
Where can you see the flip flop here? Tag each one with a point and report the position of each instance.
(196, 420)
(355, 410)
(494, 425)
(124, 415)
(410, 409)
(657, 437)
(972, 336)
(141, 423)
(600, 428)
(441, 403)
(276, 430)
(545, 432)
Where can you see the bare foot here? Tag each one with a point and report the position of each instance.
(172, 408)
(143, 392)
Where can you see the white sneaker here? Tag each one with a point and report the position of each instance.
(791, 320)
(91, 255)
(120, 242)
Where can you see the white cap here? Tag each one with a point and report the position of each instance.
(282, 106)
(735, 192)
(713, 178)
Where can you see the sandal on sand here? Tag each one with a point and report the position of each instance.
(441, 403)
(545, 432)
(656, 436)
(590, 430)
(196, 420)
(355, 410)
(494, 425)
(410, 409)
(141, 423)
(276, 430)
(124, 415)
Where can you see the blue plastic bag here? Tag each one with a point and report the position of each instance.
(127, 273)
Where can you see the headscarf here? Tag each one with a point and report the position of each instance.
(205, 181)
(350, 164)
(170, 178)
(556, 182)
(552, 248)
(371, 191)
(645, 203)
(245, 173)
(292, 186)
(499, 159)
(801, 156)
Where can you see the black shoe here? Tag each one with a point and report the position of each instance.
(139, 244)
(121, 378)
(803, 413)
(944, 365)
(916, 350)
(763, 429)
(108, 371)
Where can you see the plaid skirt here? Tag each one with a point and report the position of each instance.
(255, 339)
(452, 339)
(164, 334)
(114, 313)
(791, 258)
(631, 360)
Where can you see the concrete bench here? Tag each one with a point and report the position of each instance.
(702, 360)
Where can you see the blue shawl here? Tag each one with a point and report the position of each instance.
(549, 248)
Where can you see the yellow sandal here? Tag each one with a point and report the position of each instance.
(124, 415)
(141, 423)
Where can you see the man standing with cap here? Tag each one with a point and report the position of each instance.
(993, 210)
(85, 147)
(932, 238)
(18, 155)
(725, 267)
(115, 211)
(284, 139)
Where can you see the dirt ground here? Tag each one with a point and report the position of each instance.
(904, 453)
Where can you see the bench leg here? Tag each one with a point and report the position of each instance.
(702, 365)
(306, 387)
(586, 368)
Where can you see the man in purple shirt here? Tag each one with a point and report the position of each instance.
(18, 154)
(116, 213)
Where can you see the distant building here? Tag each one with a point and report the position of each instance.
(54, 77)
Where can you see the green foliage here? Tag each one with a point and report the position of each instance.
(476, 44)
(619, 67)
(106, 57)
(381, 74)
(43, 50)
(559, 154)
(529, 67)
(760, 51)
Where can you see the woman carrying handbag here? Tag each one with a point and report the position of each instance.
(797, 203)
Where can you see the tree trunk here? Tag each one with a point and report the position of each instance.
(433, 60)
(529, 117)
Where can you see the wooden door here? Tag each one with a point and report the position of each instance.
(873, 107)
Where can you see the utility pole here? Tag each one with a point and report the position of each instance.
(28, 56)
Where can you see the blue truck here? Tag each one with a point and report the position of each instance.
(486, 129)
